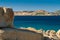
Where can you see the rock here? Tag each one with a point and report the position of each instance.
(20, 34)
(47, 38)
(2, 19)
(58, 34)
(10, 13)
(52, 35)
(6, 17)
(1, 11)
(47, 33)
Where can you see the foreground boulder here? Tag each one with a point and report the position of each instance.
(19, 34)
(6, 17)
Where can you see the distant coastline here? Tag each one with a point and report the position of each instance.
(34, 16)
(36, 13)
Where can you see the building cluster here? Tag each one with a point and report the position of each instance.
(35, 13)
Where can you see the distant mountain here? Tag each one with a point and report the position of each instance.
(35, 13)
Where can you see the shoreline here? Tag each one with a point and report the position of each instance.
(28, 15)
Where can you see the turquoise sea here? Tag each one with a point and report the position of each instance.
(38, 22)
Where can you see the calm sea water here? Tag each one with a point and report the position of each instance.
(38, 22)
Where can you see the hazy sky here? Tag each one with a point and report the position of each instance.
(28, 5)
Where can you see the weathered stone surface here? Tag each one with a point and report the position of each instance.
(1, 11)
(6, 17)
(10, 13)
(58, 34)
(2, 19)
(20, 34)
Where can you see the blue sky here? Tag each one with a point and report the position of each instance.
(30, 5)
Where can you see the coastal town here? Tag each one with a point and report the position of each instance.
(36, 13)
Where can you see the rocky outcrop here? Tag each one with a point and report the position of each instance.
(48, 35)
(6, 17)
(58, 34)
(19, 34)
